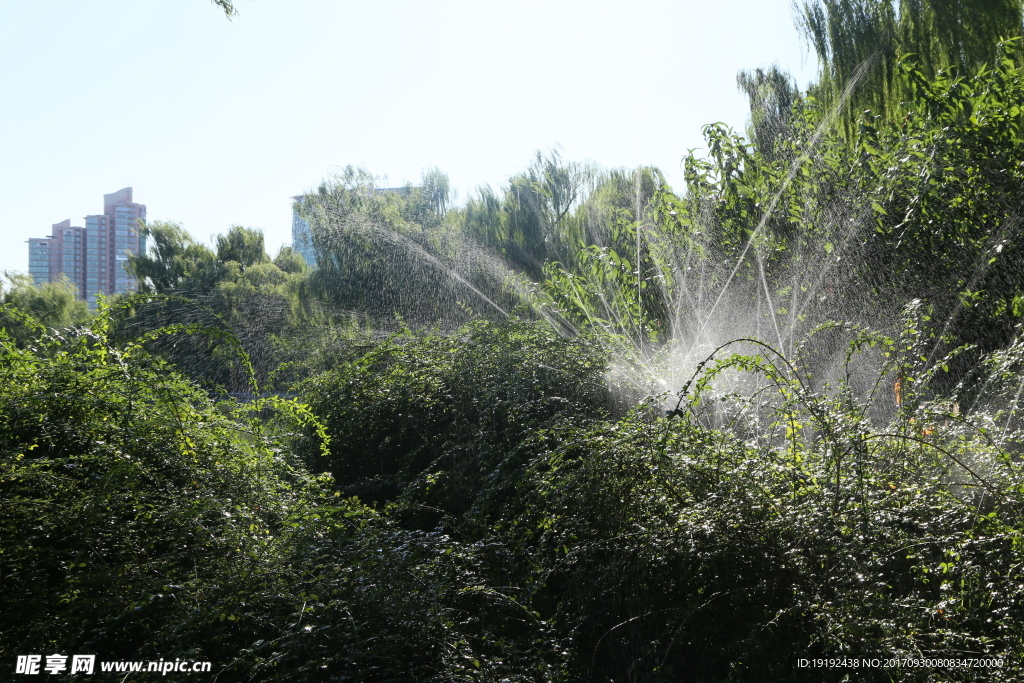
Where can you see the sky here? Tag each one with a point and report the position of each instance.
(216, 122)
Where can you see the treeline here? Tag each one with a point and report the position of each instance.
(809, 222)
(578, 428)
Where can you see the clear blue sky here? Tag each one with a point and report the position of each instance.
(215, 122)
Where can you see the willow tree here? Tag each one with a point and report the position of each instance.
(53, 304)
(383, 252)
(530, 220)
(616, 272)
(237, 285)
(860, 43)
(175, 264)
(772, 93)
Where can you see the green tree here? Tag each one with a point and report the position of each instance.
(237, 286)
(529, 220)
(833, 224)
(622, 275)
(383, 252)
(241, 245)
(772, 94)
(176, 262)
(53, 304)
(290, 261)
(859, 44)
(134, 513)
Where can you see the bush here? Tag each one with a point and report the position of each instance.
(442, 413)
(130, 501)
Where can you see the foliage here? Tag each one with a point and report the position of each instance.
(860, 44)
(52, 304)
(228, 6)
(947, 182)
(121, 476)
(132, 506)
(531, 534)
(772, 94)
(384, 253)
(439, 413)
(238, 286)
(387, 604)
(621, 279)
(530, 220)
(484, 500)
(176, 262)
(241, 245)
(923, 208)
(806, 524)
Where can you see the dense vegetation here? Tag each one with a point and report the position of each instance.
(579, 428)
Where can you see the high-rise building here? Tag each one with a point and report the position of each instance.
(93, 258)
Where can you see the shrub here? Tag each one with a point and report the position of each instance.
(441, 413)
